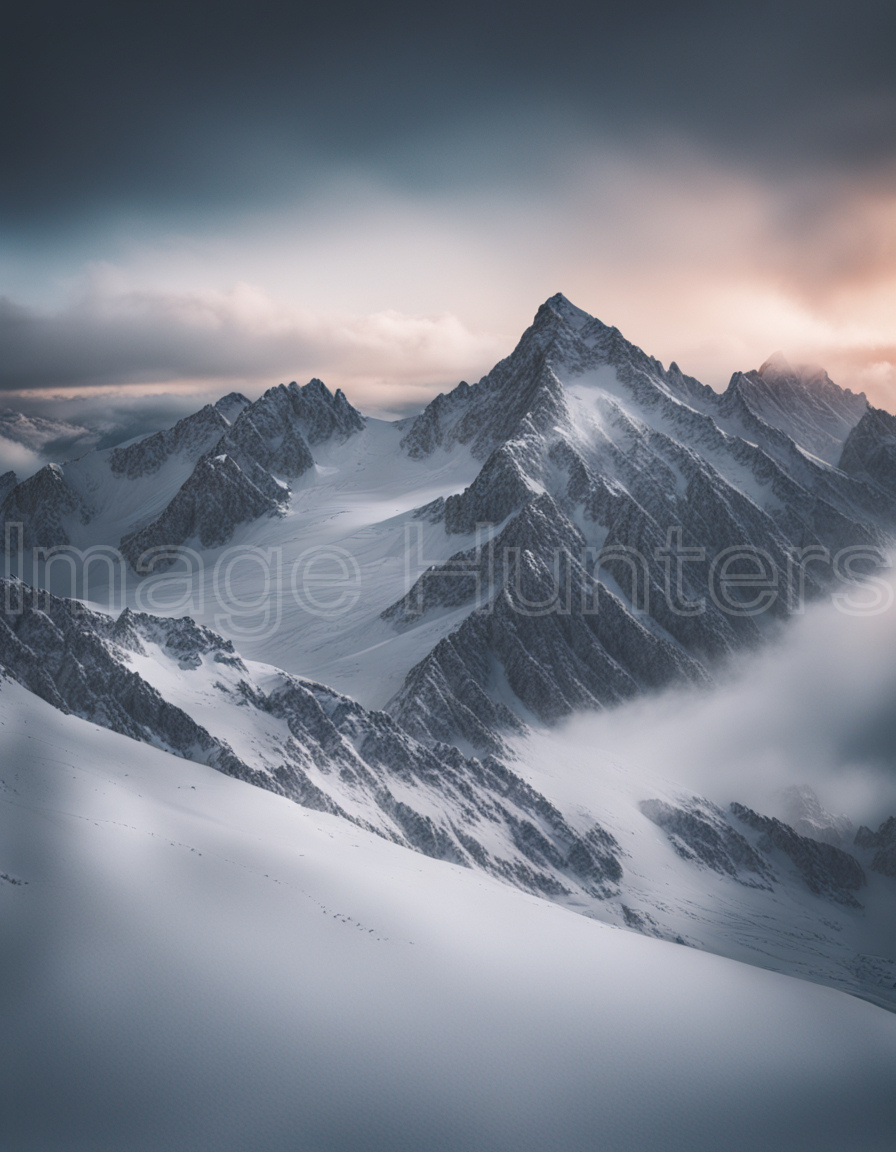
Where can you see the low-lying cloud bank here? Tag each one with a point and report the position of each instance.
(219, 339)
(817, 707)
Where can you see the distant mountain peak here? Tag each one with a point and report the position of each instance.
(800, 400)
(777, 365)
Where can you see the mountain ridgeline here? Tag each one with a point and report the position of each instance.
(596, 553)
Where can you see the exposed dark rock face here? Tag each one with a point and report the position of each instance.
(324, 415)
(8, 481)
(193, 436)
(339, 757)
(278, 429)
(883, 842)
(217, 497)
(268, 433)
(584, 651)
(826, 870)
(42, 504)
(699, 831)
(231, 405)
(500, 489)
(67, 656)
(870, 450)
(182, 638)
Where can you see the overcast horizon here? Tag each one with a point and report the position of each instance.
(209, 198)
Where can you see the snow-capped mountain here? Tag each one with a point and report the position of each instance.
(803, 402)
(410, 606)
(578, 450)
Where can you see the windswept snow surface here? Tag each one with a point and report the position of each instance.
(193, 963)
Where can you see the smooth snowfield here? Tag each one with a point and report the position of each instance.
(193, 963)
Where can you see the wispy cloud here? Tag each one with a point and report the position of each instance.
(815, 707)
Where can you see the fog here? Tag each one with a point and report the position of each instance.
(815, 706)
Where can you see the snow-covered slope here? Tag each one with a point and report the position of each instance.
(190, 962)
(599, 836)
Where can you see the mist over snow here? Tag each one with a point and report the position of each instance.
(39, 429)
(815, 707)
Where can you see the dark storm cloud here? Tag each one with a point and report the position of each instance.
(105, 105)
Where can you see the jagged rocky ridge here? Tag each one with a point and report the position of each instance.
(700, 832)
(803, 402)
(234, 482)
(324, 750)
(194, 436)
(41, 504)
(703, 833)
(240, 455)
(870, 450)
(592, 448)
(218, 495)
(825, 869)
(883, 844)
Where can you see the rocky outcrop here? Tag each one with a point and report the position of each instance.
(8, 481)
(67, 656)
(278, 429)
(231, 405)
(701, 833)
(802, 810)
(218, 496)
(870, 450)
(825, 869)
(193, 436)
(883, 844)
(44, 505)
(802, 402)
(544, 640)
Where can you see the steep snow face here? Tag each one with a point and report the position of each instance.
(280, 978)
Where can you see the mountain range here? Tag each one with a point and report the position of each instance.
(384, 621)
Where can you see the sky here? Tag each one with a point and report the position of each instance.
(196, 197)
